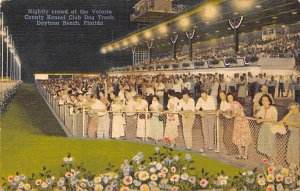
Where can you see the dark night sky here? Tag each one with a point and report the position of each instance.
(66, 48)
(69, 48)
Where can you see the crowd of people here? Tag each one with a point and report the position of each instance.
(285, 45)
(140, 102)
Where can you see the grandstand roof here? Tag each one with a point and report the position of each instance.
(262, 13)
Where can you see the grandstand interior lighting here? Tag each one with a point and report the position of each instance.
(125, 43)
(135, 39)
(184, 23)
(243, 5)
(209, 12)
(294, 13)
(148, 34)
(116, 46)
(258, 6)
(103, 50)
(163, 29)
(110, 48)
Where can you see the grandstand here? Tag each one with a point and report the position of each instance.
(214, 85)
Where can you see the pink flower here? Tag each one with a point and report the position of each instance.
(167, 139)
(270, 187)
(82, 185)
(265, 161)
(279, 177)
(10, 178)
(127, 180)
(203, 183)
(38, 182)
(271, 170)
(288, 180)
(173, 169)
(175, 188)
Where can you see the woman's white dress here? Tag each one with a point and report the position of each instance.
(118, 122)
(156, 128)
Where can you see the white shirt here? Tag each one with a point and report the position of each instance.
(225, 106)
(173, 101)
(186, 85)
(98, 105)
(177, 87)
(208, 105)
(160, 89)
(186, 106)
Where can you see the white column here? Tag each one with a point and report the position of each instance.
(2, 45)
(7, 38)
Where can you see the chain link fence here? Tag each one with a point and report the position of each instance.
(212, 134)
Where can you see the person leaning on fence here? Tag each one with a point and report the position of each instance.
(258, 96)
(141, 106)
(267, 116)
(186, 108)
(241, 135)
(96, 106)
(100, 112)
(130, 104)
(118, 121)
(206, 106)
(292, 121)
(156, 126)
(172, 123)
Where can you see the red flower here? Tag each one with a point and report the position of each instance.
(266, 161)
(167, 139)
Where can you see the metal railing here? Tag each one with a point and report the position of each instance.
(83, 124)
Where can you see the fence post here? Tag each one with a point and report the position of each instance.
(65, 115)
(73, 123)
(83, 123)
(218, 134)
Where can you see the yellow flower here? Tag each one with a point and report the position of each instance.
(27, 186)
(270, 178)
(284, 171)
(124, 188)
(145, 187)
(98, 187)
(261, 182)
(97, 179)
(143, 175)
(44, 185)
(153, 177)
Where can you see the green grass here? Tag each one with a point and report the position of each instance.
(31, 138)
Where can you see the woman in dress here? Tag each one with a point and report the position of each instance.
(172, 123)
(241, 135)
(267, 115)
(292, 120)
(226, 123)
(242, 89)
(118, 121)
(141, 106)
(156, 128)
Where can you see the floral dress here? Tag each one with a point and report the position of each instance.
(241, 130)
